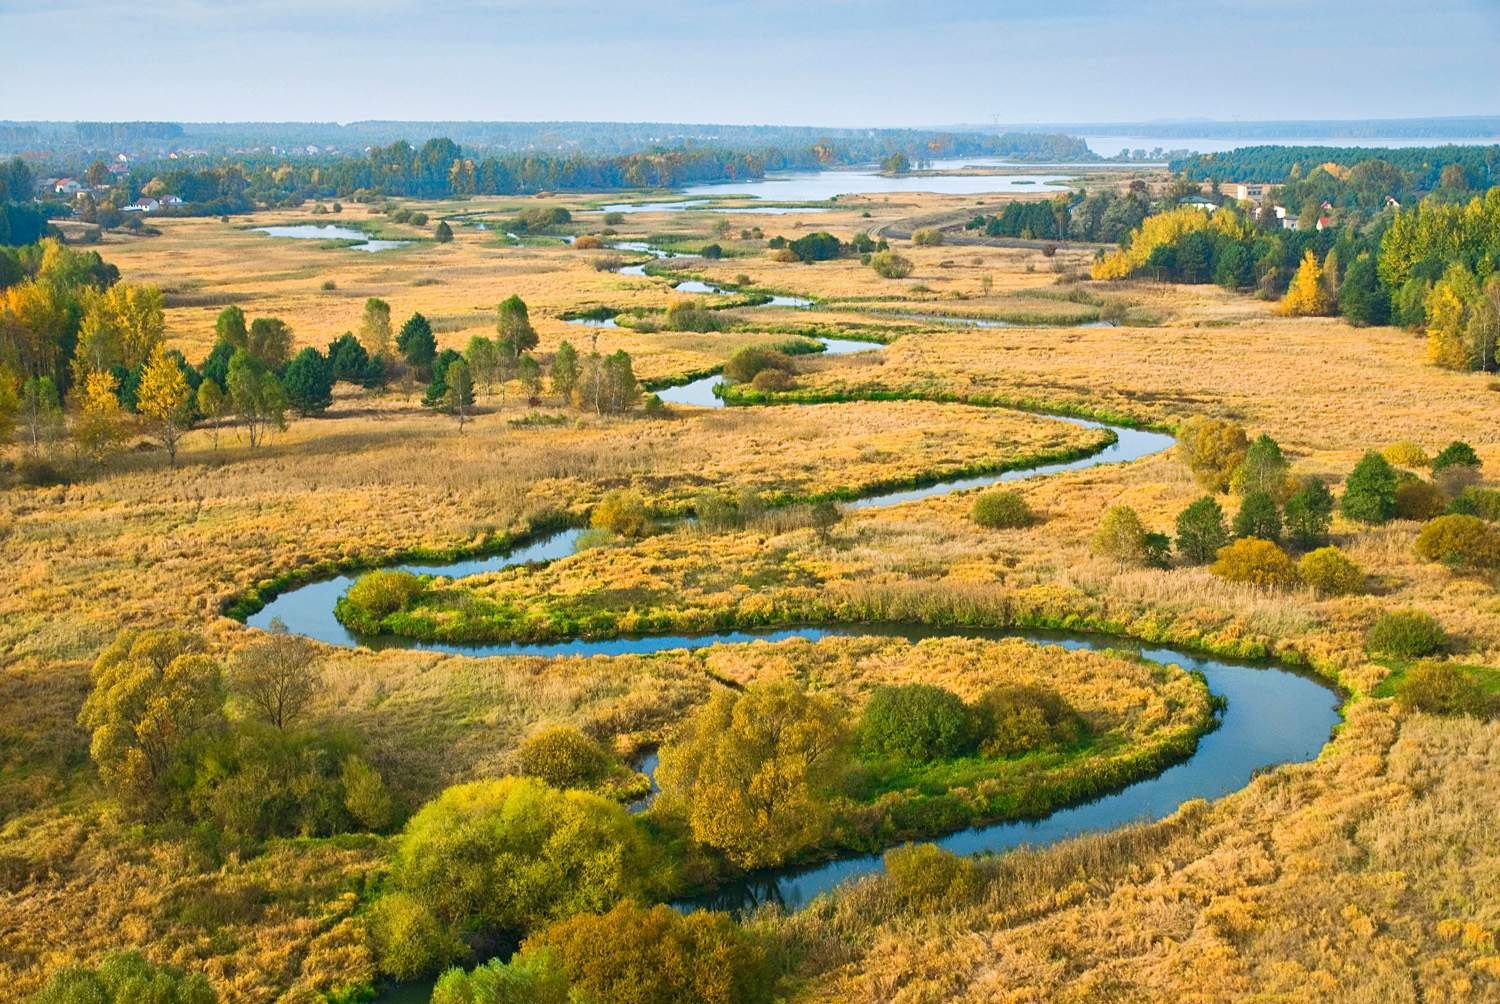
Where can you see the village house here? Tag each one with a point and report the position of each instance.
(142, 206)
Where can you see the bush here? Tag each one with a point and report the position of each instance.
(914, 722)
(927, 237)
(1002, 510)
(622, 512)
(1418, 499)
(587, 242)
(745, 364)
(1201, 531)
(1259, 516)
(1441, 689)
(376, 595)
(1330, 572)
(1406, 634)
(925, 877)
(1455, 454)
(1016, 720)
(820, 246)
(613, 219)
(1256, 562)
(1370, 490)
(773, 381)
(1122, 537)
(712, 252)
(1466, 541)
(534, 978)
(1481, 502)
(511, 854)
(890, 265)
(564, 758)
(640, 955)
(1406, 454)
(692, 315)
(125, 978)
(409, 941)
(442, 233)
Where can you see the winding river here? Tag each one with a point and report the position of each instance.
(1273, 715)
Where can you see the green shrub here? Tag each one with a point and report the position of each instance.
(1201, 531)
(564, 758)
(1330, 572)
(532, 978)
(1002, 510)
(125, 978)
(656, 955)
(1456, 467)
(409, 941)
(1466, 541)
(622, 512)
(1406, 634)
(927, 237)
(1481, 502)
(1442, 689)
(1418, 499)
(914, 722)
(1015, 720)
(1256, 562)
(820, 246)
(743, 366)
(376, 595)
(924, 877)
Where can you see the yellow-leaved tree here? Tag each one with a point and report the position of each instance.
(1307, 296)
(100, 428)
(164, 398)
(1448, 319)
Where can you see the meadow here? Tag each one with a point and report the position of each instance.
(1366, 874)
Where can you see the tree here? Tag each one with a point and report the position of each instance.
(155, 704)
(621, 511)
(1201, 531)
(532, 977)
(125, 978)
(1015, 720)
(375, 328)
(512, 853)
(1121, 536)
(819, 246)
(212, 405)
(229, 327)
(442, 233)
(257, 396)
(607, 384)
(100, 427)
(1456, 467)
(308, 382)
(1212, 449)
(915, 722)
(10, 404)
(1002, 510)
(1256, 562)
(564, 370)
(484, 360)
(529, 373)
(1264, 469)
(41, 415)
(1447, 311)
(1370, 490)
(1309, 513)
(564, 758)
(416, 343)
(1307, 296)
(275, 677)
(513, 325)
(1258, 516)
(1330, 572)
(458, 393)
(890, 265)
(1363, 299)
(751, 771)
(166, 400)
(270, 341)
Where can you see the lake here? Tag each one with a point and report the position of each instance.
(332, 232)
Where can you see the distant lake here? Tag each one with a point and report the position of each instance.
(1109, 146)
(332, 232)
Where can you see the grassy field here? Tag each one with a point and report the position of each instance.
(1367, 874)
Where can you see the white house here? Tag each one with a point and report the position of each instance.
(142, 206)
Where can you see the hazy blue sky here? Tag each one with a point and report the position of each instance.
(825, 62)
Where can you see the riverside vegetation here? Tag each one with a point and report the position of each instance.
(260, 817)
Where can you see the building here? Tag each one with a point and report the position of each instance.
(1246, 191)
(67, 186)
(142, 206)
(170, 201)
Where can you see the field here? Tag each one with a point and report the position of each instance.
(1366, 874)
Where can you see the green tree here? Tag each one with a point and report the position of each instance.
(1264, 469)
(484, 360)
(564, 371)
(417, 344)
(1370, 490)
(1201, 531)
(458, 392)
(442, 233)
(375, 328)
(1363, 300)
(270, 341)
(1309, 513)
(915, 722)
(212, 405)
(41, 415)
(308, 382)
(531, 977)
(256, 396)
(1121, 536)
(751, 771)
(513, 326)
(229, 327)
(1258, 516)
(529, 373)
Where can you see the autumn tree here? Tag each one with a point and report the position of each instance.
(484, 361)
(1307, 296)
(752, 771)
(257, 396)
(165, 400)
(100, 427)
(513, 326)
(1212, 449)
(155, 704)
(458, 394)
(41, 415)
(564, 370)
(276, 677)
(1448, 319)
(10, 404)
(375, 328)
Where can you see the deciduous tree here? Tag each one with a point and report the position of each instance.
(165, 400)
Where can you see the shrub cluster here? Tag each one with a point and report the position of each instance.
(1442, 689)
(1002, 510)
(1406, 634)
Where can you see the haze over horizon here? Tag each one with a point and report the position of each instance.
(838, 63)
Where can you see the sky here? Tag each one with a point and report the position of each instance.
(796, 62)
